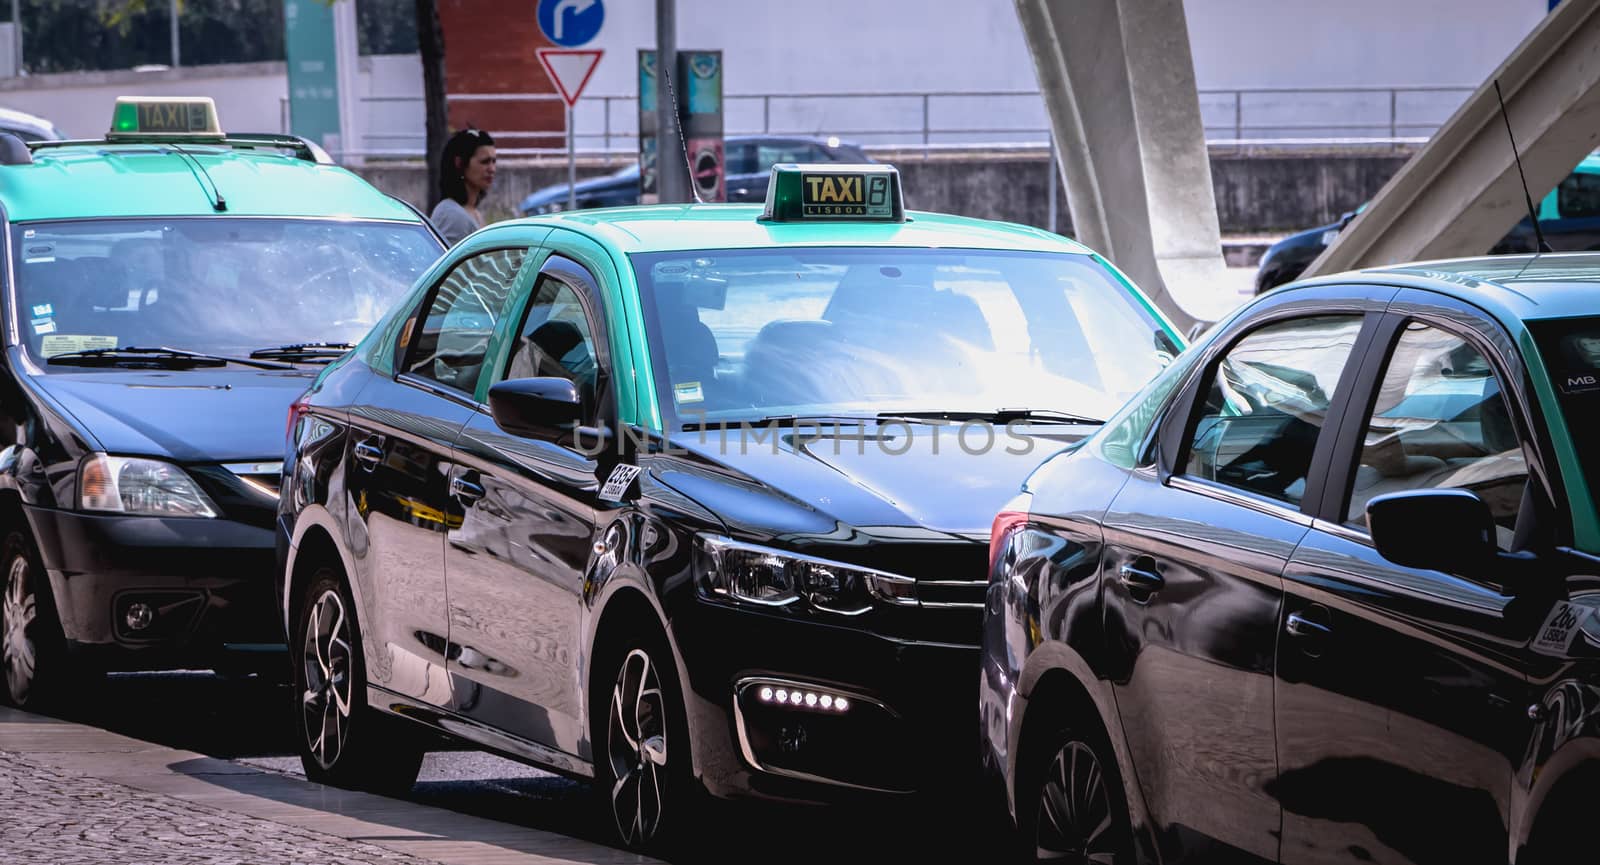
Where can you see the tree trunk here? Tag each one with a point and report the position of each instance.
(430, 44)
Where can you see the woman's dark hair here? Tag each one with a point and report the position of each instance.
(461, 146)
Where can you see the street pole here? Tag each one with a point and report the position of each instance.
(16, 33)
(672, 173)
(173, 5)
(1050, 178)
(572, 164)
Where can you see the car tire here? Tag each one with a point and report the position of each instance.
(33, 649)
(1073, 806)
(343, 741)
(643, 783)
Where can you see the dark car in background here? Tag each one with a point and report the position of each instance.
(1569, 217)
(1326, 591)
(749, 161)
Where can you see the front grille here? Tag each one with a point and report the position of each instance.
(961, 594)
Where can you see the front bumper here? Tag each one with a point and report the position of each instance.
(208, 582)
(910, 726)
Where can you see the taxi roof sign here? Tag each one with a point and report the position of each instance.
(148, 118)
(834, 193)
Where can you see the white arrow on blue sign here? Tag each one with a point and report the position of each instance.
(571, 23)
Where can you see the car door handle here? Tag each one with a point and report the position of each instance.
(1140, 579)
(465, 491)
(1298, 625)
(369, 452)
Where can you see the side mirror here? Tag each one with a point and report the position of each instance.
(1444, 529)
(536, 408)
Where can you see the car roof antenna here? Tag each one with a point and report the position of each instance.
(677, 117)
(1527, 198)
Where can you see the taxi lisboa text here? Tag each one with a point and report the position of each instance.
(889, 436)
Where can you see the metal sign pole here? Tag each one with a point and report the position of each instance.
(572, 164)
(16, 33)
(177, 57)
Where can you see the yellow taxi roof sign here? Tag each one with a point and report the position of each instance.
(834, 193)
(146, 118)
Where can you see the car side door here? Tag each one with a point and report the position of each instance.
(1402, 702)
(517, 558)
(1194, 552)
(402, 430)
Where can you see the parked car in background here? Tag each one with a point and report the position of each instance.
(748, 159)
(1569, 217)
(28, 127)
(1325, 591)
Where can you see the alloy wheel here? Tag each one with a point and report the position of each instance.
(328, 659)
(20, 610)
(637, 749)
(1075, 821)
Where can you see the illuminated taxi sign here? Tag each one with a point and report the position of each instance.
(165, 117)
(846, 193)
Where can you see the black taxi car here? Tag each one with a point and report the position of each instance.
(168, 291)
(1325, 592)
(657, 496)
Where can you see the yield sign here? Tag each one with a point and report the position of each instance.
(570, 69)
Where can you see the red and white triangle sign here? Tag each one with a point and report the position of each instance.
(570, 69)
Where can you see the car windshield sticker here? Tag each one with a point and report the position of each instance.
(44, 309)
(61, 343)
(1560, 628)
(689, 391)
(1581, 363)
(38, 253)
(44, 325)
(621, 478)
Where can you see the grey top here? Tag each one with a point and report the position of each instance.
(453, 221)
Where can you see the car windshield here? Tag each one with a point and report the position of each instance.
(749, 334)
(221, 286)
(1571, 351)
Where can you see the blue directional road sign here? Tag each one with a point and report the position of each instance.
(571, 23)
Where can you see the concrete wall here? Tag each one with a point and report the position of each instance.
(1255, 193)
(249, 96)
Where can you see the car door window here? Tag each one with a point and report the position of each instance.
(1578, 196)
(1440, 420)
(1266, 401)
(741, 159)
(768, 155)
(450, 346)
(557, 341)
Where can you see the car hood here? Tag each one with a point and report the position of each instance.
(895, 482)
(189, 416)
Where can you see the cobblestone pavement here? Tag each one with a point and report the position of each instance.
(53, 818)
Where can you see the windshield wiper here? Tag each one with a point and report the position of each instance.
(162, 356)
(779, 420)
(304, 352)
(999, 416)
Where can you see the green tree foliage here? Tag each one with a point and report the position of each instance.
(80, 35)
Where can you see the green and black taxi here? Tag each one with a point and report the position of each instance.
(690, 497)
(168, 291)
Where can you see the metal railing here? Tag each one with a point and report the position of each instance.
(935, 121)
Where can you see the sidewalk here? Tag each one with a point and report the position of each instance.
(75, 794)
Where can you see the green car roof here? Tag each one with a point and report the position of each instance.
(131, 180)
(664, 228)
(1513, 288)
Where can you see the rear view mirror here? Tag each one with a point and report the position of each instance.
(537, 408)
(1441, 529)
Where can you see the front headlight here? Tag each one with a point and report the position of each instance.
(774, 578)
(131, 485)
